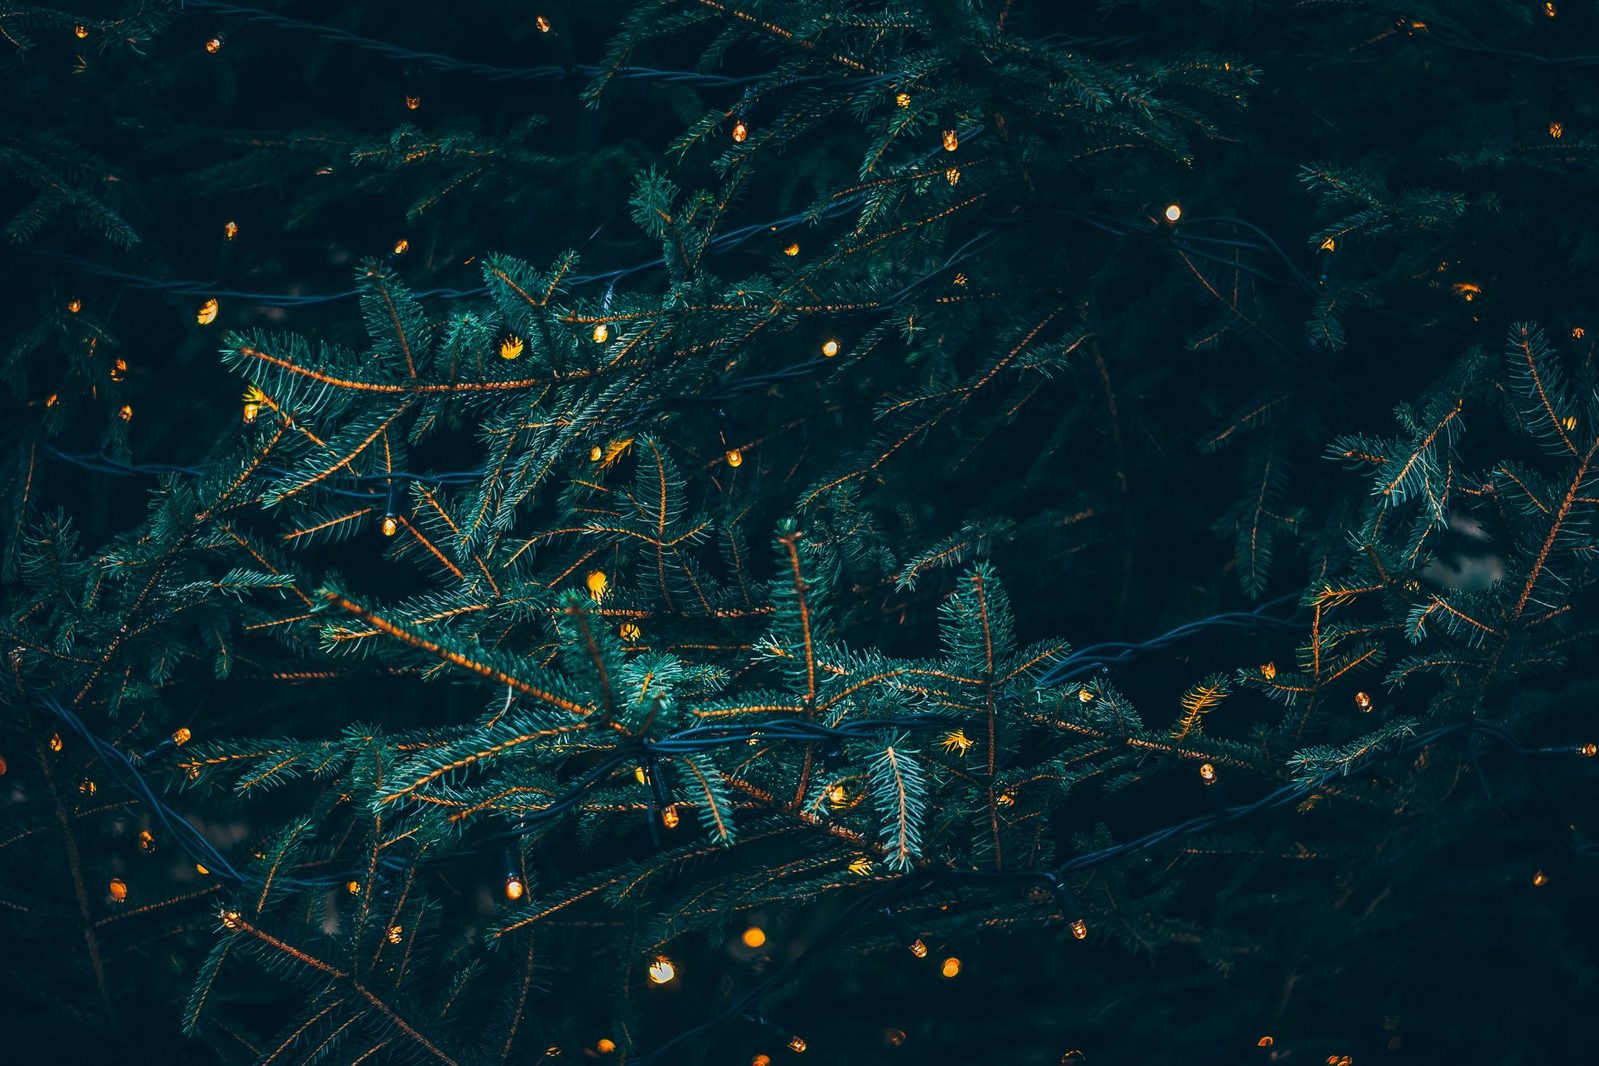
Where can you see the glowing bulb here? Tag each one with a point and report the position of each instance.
(1556, 129)
(860, 866)
(953, 175)
(830, 348)
(761, 1060)
(661, 970)
(543, 25)
(353, 887)
(1363, 701)
(792, 249)
(951, 967)
(903, 99)
(513, 888)
(55, 742)
(1084, 696)
(1328, 244)
(735, 457)
(230, 230)
(252, 411)
(390, 525)
(119, 370)
(918, 948)
(1006, 799)
(207, 313)
(1079, 929)
(230, 919)
(628, 631)
(146, 840)
(670, 818)
(181, 736)
(1587, 751)
(597, 583)
(595, 454)
(1549, 9)
(1173, 212)
(797, 1045)
(1207, 773)
(511, 347)
(602, 333)
(413, 102)
(402, 246)
(641, 775)
(74, 305)
(201, 870)
(1265, 1041)
(838, 796)
(395, 933)
(894, 1037)
(214, 45)
(81, 31)
(1268, 670)
(1539, 879)
(951, 141)
(754, 937)
(125, 412)
(740, 132)
(118, 889)
(605, 1045)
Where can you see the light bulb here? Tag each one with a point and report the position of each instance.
(1079, 929)
(181, 735)
(602, 333)
(919, 948)
(951, 967)
(830, 347)
(952, 141)
(207, 313)
(661, 970)
(1173, 212)
(390, 525)
(735, 457)
(740, 132)
(628, 631)
(1207, 773)
(513, 888)
(118, 889)
(754, 937)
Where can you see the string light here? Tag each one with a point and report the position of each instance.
(402, 246)
(88, 787)
(1268, 670)
(1466, 290)
(1005, 799)
(761, 1060)
(1363, 701)
(597, 583)
(894, 1037)
(125, 412)
(81, 31)
(1549, 9)
(514, 888)
(1265, 1041)
(214, 45)
(953, 175)
(662, 970)
(595, 454)
(390, 525)
(74, 305)
(792, 249)
(1207, 773)
(1539, 879)
(207, 313)
(628, 631)
(146, 840)
(1587, 751)
(511, 347)
(796, 1044)
(395, 933)
(830, 348)
(230, 230)
(754, 937)
(230, 919)
(1174, 212)
(740, 132)
(1084, 696)
(605, 1045)
(1329, 244)
(602, 333)
(951, 141)
(838, 796)
(735, 457)
(201, 870)
(1079, 929)
(413, 102)
(55, 742)
(951, 967)
(119, 370)
(118, 889)
(903, 99)
(919, 948)
(353, 887)
(641, 775)
(181, 736)
(670, 818)
(542, 23)
(1556, 130)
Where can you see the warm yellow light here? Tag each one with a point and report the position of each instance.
(1466, 290)
(597, 583)
(230, 919)
(838, 796)
(201, 870)
(390, 525)
(1569, 423)
(641, 775)
(661, 970)
(1549, 9)
(919, 948)
(953, 175)
(1588, 750)
(413, 102)
(861, 866)
(118, 889)
(81, 31)
(55, 742)
(628, 631)
(951, 141)
(125, 412)
(74, 305)
(754, 936)
(670, 818)
(402, 246)
(960, 279)
(513, 888)
(214, 45)
(894, 1037)
(602, 333)
(1079, 929)
(740, 132)
(595, 454)
(230, 230)
(353, 887)
(1268, 670)
(605, 1045)
(146, 840)
(1174, 212)
(1577, 333)
(207, 313)
(796, 1044)
(735, 457)
(511, 347)
(1264, 1041)
(830, 348)
(1005, 799)
(119, 370)
(1084, 696)
(395, 933)
(903, 99)
(1556, 130)
(88, 787)
(181, 736)
(1540, 879)
(1363, 700)
(1207, 773)
(761, 1060)
(1328, 244)
(792, 249)
(543, 25)
(951, 967)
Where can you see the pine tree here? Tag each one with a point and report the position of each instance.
(686, 531)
